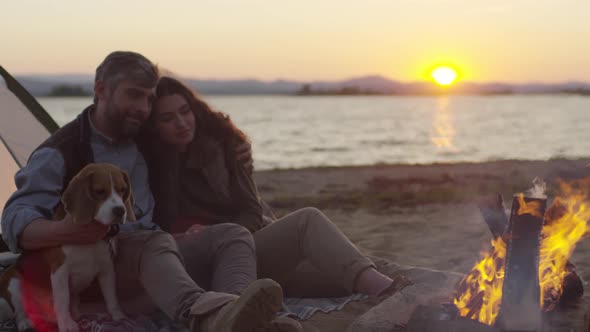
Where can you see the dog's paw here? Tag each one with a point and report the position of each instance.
(68, 325)
(118, 315)
(75, 314)
(25, 325)
(73, 328)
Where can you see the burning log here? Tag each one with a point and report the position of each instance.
(527, 271)
(477, 303)
(478, 295)
(493, 213)
(519, 309)
(572, 287)
(565, 225)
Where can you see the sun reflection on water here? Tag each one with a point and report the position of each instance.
(443, 126)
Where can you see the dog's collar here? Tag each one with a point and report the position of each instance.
(109, 239)
(113, 230)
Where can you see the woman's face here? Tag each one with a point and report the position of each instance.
(174, 120)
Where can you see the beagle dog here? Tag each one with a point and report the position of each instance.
(98, 193)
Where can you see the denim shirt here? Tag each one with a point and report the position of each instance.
(39, 186)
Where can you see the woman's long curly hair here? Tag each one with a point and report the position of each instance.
(207, 121)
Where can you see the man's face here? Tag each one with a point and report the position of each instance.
(128, 106)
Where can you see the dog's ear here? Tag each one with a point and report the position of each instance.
(77, 200)
(128, 197)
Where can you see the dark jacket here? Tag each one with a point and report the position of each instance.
(73, 142)
(207, 183)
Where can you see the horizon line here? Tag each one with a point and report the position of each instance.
(304, 81)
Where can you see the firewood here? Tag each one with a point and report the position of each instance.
(493, 212)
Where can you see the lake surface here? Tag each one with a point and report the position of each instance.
(296, 132)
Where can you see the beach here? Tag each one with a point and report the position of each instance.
(422, 214)
(417, 215)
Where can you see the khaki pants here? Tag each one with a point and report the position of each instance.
(220, 258)
(308, 255)
(148, 263)
(303, 251)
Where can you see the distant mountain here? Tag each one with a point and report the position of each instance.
(42, 85)
(65, 78)
(369, 83)
(248, 86)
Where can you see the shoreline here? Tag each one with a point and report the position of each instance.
(442, 163)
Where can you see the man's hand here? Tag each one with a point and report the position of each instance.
(244, 156)
(43, 233)
(84, 233)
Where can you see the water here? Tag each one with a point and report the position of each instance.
(296, 132)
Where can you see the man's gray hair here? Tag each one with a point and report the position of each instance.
(126, 65)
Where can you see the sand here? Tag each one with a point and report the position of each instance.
(419, 215)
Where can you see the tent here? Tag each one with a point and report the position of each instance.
(24, 124)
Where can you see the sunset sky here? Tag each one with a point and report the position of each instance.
(502, 40)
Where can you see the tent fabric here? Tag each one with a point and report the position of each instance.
(29, 101)
(24, 124)
(8, 167)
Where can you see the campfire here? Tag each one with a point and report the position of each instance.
(526, 273)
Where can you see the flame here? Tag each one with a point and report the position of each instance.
(533, 207)
(565, 225)
(479, 294)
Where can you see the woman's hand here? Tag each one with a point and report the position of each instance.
(244, 156)
(194, 229)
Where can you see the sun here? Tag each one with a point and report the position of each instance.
(444, 75)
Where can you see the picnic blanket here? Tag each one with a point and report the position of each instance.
(299, 308)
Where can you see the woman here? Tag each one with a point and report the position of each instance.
(199, 181)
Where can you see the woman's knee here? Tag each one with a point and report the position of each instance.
(228, 232)
(160, 241)
(311, 211)
(312, 214)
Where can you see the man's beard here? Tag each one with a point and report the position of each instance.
(117, 120)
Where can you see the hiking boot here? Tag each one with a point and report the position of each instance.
(254, 310)
(284, 324)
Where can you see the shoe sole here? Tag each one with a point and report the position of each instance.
(283, 325)
(256, 307)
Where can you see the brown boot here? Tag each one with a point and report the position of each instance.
(284, 324)
(253, 310)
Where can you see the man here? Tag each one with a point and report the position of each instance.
(147, 258)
